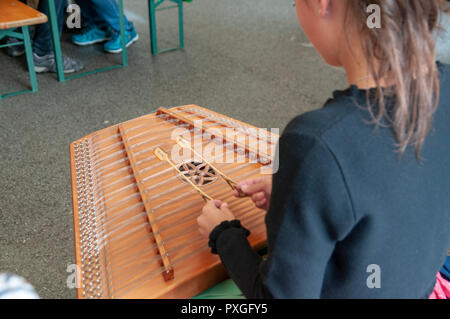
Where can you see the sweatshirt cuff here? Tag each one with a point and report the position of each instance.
(219, 229)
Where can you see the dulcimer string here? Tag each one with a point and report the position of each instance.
(101, 149)
(195, 228)
(101, 170)
(167, 214)
(117, 193)
(171, 225)
(243, 128)
(104, 236)
(120, 152)
(124, 200)
(250, 223)
(118, 204)
(145, 277)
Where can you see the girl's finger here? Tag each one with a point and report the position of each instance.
(202, 231)
(217, 203)
(251, 189)
(261, 203)
(249, 181)
(258, 196)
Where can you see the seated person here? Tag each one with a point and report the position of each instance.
(43, 53)
(352, 201)
(103, 24)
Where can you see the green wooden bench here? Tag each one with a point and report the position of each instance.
(15, 18)
(53, 19)
(156, 5)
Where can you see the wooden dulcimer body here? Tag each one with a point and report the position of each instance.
(136, 233)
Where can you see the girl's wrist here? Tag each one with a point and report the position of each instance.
(219, 229)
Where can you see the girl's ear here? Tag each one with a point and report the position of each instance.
(324, 8)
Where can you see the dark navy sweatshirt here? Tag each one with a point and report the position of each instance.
(349, 216)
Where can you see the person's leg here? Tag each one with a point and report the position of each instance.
(42, 44)
(33, 3)
(89, 13)
(43, 52)
(109, 11)
(96, 29)
(16, 50)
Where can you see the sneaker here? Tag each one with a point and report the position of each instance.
(47, 63)
(91, 35)
(115, 44)
(16, 50)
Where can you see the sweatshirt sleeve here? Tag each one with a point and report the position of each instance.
(310, 211)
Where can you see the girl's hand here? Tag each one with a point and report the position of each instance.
(259, 189)
(213, 213)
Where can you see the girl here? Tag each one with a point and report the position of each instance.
(360, 205)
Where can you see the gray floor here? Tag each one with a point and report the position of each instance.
(246, 59)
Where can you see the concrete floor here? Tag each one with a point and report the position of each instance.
(246, 59)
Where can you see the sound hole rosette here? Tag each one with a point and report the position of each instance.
(199, 173)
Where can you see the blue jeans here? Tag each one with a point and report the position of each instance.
(43, 44)
(101, 13)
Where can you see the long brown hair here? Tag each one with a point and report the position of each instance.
(403, 51)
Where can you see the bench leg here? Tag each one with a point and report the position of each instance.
(152, 24)
(122, 34)
(181, 23)
(30, 61)
(53, 20)
(152, 8)
(24, 36)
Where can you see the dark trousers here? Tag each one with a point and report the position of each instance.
(101, 13)
(43, 44)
